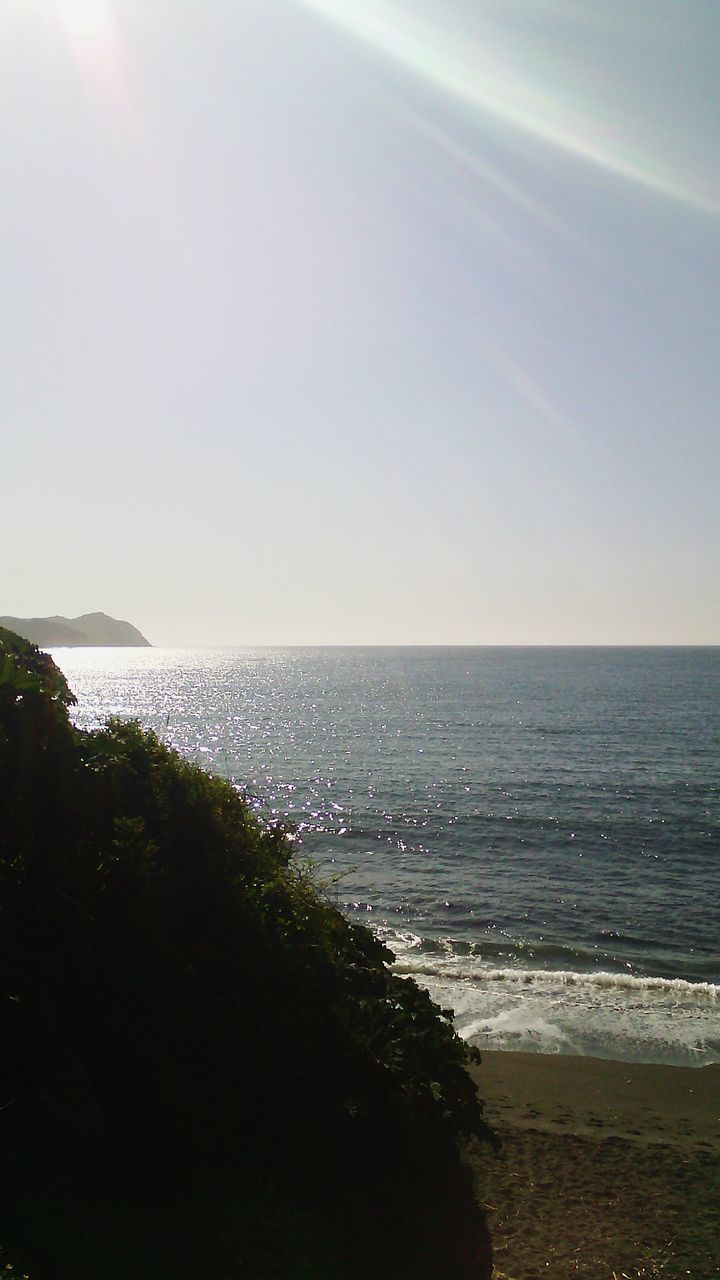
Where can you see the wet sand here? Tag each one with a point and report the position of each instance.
(607, 1168)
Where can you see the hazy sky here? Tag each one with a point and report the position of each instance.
(362, 321)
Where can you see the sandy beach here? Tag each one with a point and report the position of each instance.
(608, 1169)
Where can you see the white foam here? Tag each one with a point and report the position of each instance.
(602, 1014)
(460, 970)
(519, 1024)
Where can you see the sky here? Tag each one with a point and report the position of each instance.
(362, 321)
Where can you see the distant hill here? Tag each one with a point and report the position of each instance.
(89, 629)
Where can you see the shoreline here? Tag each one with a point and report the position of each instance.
(607, 1167)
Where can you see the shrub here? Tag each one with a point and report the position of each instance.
(206, 1069)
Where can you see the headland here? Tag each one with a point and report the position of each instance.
(87, 631)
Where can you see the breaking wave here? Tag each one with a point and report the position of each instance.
(592, 1012)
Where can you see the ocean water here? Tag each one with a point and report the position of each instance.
(534, 832)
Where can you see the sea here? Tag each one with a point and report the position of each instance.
(533, 832)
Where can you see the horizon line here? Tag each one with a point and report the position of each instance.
(461, 644)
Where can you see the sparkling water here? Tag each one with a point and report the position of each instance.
(534, 832)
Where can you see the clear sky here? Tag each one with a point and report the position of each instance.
(362, 321)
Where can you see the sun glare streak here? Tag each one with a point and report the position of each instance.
(509, 190)
(89, 25)
(97, 45)
(545, 413)
(521, 87)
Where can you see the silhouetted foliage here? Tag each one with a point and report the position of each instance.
(205, 1069)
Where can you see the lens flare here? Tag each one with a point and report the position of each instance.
(98, 48)
(89, 25)
(540, 78)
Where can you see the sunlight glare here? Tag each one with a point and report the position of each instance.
(97, 46)
(496, 70)
(88, 24)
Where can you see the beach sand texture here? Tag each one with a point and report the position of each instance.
(608, 1169)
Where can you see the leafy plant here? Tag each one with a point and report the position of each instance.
(211, 1070)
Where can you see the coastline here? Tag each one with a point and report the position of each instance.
(607, 1168)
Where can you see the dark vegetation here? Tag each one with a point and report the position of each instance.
(205, 1069)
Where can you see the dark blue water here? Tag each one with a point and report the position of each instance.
(535, 831)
